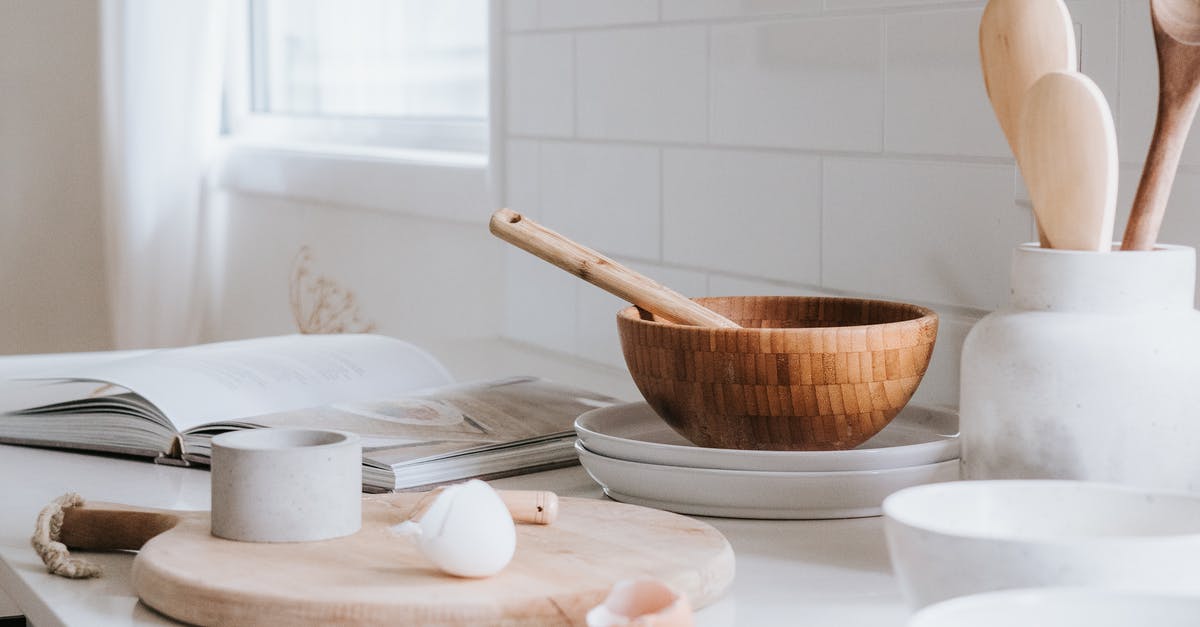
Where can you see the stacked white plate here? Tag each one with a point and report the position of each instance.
(638, 459)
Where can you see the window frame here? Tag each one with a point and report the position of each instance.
(297, 158)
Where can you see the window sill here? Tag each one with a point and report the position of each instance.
(440, 185)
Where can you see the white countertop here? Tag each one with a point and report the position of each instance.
(788, 572)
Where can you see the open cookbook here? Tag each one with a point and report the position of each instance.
(417, 426)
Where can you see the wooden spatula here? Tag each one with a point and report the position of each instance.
(603, 272)
(1069, 157)
(1177, 37)
(1019, 42)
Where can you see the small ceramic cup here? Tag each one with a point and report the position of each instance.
(286, 485)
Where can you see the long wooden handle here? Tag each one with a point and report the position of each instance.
(113, 527)
(1158, 176)
(603, 272)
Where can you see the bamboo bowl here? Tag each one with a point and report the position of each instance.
(805, 373)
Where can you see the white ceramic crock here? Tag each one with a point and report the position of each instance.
(286, 485)
(1092, 372)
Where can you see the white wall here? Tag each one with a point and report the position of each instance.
(52, 286)
(788, 146)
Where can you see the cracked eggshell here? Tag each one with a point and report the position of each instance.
(468, 531)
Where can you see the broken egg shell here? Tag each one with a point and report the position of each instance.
(467, 531)
(641, 603)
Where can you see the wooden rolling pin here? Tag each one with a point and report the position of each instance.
(603, 272)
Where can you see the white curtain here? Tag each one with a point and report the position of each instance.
(161, 73)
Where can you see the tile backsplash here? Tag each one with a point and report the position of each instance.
(841, 147)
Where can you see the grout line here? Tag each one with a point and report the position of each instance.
(708, 99)
(823, 13)
(846, 154)
(574, 85)
(662, 207)
(958, 311)
(883, 74)
(821, 221)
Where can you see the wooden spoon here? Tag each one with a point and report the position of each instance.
(1069, 156)
(1177, 37)
(1019, 41)
(603, 272)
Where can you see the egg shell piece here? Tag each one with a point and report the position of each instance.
(468, 531)
(642, 603)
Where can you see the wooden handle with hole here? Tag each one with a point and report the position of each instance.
(538, 507)
(603, 272)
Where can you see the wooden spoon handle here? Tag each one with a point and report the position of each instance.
(602, 272)
(1158, 175)
(537, 507)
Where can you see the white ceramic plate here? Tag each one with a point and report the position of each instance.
(633, 432)
(1062, 607)
(756, 494)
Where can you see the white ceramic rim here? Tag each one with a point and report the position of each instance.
(791, 495)
(897, 501)
(938, 613)
(945, 448)
(283, 439)
(750, 474)
(1158, 248)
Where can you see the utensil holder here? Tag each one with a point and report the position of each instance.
(286, 485)
(1091, 372)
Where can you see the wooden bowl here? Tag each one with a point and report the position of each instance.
(805, 373)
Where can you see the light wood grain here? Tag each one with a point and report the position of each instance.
(1177, 38)
(601, 271)
(1019, 42)
(804, 374)
(1069, 156)
(374, 578)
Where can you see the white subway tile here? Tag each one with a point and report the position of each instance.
(605, 196)
(540, 85)
(936, 99)
(522, 176)
(539, 302)
(744, 212)
(1139, 88)
(723, 285)
(571, 13)
(521, 14)
(644, 84)
(932, 232)
(705, 9)
(598, 309)
(941, 382)
(813, 84)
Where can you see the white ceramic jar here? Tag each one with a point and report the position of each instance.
(1092, 371)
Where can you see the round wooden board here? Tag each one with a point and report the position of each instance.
(374, 578)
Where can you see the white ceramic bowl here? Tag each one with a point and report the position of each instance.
(954, 539)
(1062, 607)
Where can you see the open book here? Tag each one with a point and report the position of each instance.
(417, 427)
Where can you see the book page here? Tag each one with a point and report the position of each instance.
(231, 380)
(449, 421)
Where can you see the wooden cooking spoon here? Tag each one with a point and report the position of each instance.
(603, 272)
(1069, 156)
(1019, 42)
(1177, 37)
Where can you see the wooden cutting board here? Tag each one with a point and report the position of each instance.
(374, 578)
